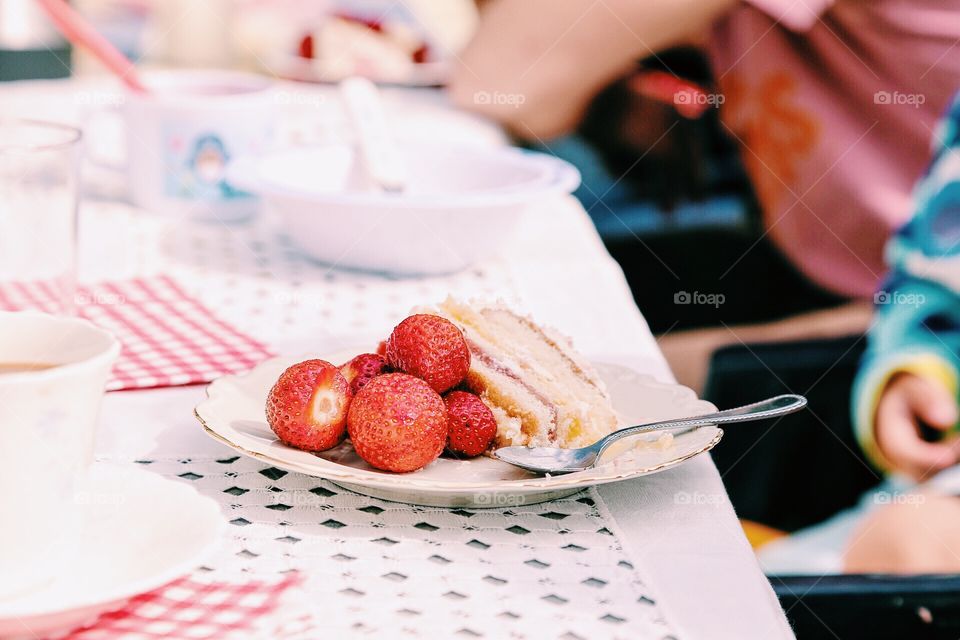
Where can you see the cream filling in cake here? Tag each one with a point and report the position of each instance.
(541, 391)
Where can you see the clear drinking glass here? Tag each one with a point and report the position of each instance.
(38, 215)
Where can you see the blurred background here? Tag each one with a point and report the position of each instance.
(666, 187)
(650, 202)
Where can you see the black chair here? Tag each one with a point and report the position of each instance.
(800, 469)
(874, 607)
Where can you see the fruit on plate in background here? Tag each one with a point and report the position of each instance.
(397, 423)
(346, 45)
(431, 348)
(471, 424)
(307, 407)
(364, 368)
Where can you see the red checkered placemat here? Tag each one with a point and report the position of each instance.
(168, 337)
(194, 609)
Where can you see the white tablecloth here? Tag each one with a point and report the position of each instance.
(677, 527)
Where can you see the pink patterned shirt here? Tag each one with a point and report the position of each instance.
(834, 104)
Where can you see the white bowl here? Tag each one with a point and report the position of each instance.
(460, 204)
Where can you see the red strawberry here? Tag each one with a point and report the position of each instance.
(305, 48)
(307, 407)
(429, 347)
(397, 423)
(382, 348)
(362, 369)
(471, 423)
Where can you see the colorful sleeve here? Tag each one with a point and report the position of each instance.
(796, 16)
(917, 327)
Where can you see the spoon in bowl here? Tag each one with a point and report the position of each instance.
(379, 156)
(554, 460)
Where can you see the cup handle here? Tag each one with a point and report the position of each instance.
(101, 162)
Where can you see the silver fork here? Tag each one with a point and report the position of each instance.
(554, 460)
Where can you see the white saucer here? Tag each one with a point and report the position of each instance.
(233, 414)
(140, 532)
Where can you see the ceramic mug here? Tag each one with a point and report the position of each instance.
(53, 370)
(180, 136)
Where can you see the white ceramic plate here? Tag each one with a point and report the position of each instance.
(233, 413)
(140, 531)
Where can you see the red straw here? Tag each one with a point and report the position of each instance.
(78, 31)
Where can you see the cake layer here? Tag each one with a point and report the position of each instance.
(587, 414)
(524, 416)
(542, 391)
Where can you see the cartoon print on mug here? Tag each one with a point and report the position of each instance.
(197, 169)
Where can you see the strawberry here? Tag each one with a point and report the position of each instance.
(362, 369)
(472, 426)
(397, 423)
(305, 48)
(382, 348)
(307, 407)
(429, 347)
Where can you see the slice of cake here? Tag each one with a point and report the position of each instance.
(541, 391)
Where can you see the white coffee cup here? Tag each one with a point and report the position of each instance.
(47, 426)
(182, 134)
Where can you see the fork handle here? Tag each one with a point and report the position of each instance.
(769, 408)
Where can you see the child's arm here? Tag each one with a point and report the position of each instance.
(909, 376)
(536, 64)
(911, 373)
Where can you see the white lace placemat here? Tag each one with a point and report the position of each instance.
(254, 277)
(385, 569)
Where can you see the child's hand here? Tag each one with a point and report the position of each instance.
(908, 401)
